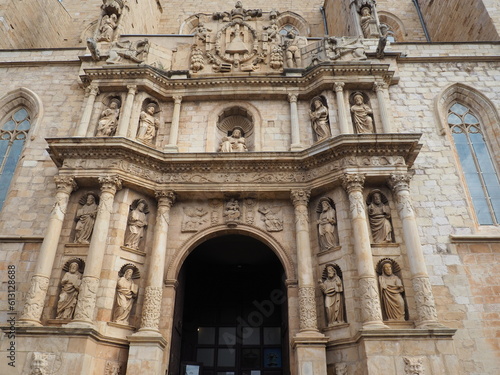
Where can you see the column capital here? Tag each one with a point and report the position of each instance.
(165, 197)
(300, 197)
(379, 86)
(353, 182)
(338, 86)
(65, 184)
(92, 89)
(132, 89)
(399, 181)
(110, 183)
(292, 98)
(177, 99)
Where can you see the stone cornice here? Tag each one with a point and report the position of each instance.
(318, 166)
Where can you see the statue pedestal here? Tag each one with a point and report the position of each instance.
(145, 354)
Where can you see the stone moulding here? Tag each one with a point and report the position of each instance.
(140, 166)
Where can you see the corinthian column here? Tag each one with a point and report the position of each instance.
(371, 313)
(33, 307)
(424, 299)
(154, 281)
(91, 92)
(381, 89)
(126, 112)
(84, 312)
(294, 122)
(174, 129)
(339, 91)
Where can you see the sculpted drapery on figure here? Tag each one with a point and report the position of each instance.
(137, 223)
(319, 118)
(379, 215)
(234, 142)
(108, 120)
(363, 123)
(391, 290)
(108, 26)
(126, 293)
(85, 218)
(331, 286)
(70, 286)
(327, 222)
(148, 124)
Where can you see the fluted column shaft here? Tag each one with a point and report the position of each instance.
(174, 129)
(91, 92)
(33, 307)
(371, 313)
(154, 281)
(126, 112)
(343, 124)
(424, 298)
(294, 122)
(85, 307)
(381, 89)
(307, 300)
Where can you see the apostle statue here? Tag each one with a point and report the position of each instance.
(109, 120)
(126, 293)
(319, 118)
(70, 286)
(148, 124)
(361, 112)
(137, 223)
(326, 224)
(391, 289)
(331, 286)
(85, 218)
(379, 215)
(233, 143)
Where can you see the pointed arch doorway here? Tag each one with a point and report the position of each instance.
(231, 310)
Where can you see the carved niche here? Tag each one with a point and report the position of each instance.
(108, 120)
(126, 293)
(232, 212)
(85, 217)
(379, 217)
(392, 292)
(362, 113)
(111, 11)
(333, 289)
(148, 122)
(136, 223)
(70, 287)
(235, 130)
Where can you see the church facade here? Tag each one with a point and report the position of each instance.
(209, 188)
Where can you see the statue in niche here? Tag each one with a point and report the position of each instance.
(276, 58)
(272, 218)
(327, 223)
(70, 287)
(379, 214)
(108, 26)
(331, 286)
(126, 293)
(232, 210)
(391, 290)
(293, 43)
(134, 51)
(197, 59)
(109, 119)
(137, 223)
(345, 49)
(366, 20)
(361, 112)
(85, 218)
(148, 124)
(319, 118)
(234, 143)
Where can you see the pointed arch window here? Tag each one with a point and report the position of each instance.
(13, 133)
(477, 164)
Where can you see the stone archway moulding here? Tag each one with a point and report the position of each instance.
(188, 246)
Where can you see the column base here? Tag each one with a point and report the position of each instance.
(171, 148)
(429, 324)
(80, 324)
(296, 147)
(375, 325)
(29, 323)
(145, 354)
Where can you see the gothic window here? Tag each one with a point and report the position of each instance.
(13, 133)
(477, 165)
(287, 29)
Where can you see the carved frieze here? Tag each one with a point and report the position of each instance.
(272, 218)
(194, 219)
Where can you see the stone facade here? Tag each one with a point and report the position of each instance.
(185, 77)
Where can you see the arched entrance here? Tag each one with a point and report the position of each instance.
(231, 310)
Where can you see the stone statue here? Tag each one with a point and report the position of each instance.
(363, 123)
(233, 143)
(292, 43)
(197, 59)
(326, 224)
(70, 286)
(276, 58)
(108, 25)
(379, 214)
(272, 218)
(85, 218)
(137, 223)
(109, 119)
(331, 286)
(319, 118)
(232, 210)
(345, 49)
(201, 32)
(126, 293)
(134, 51)
(366, 19)
(148, 124)
(391, 289)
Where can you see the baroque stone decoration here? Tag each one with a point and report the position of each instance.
(307, 308)
(319, 118)
(333, 290)
(327, 224)
(148, 123)
(344, 49)
(193, 219)
(126, 293)
(70, 286)
(379, 215)
(272, 218)
(108, 121)
(111, 12)
(127, 52)
(414, 366)
(424, 299)
(391, 290)
(85, 217)
(361, 114)
(136, 223)
(36, 297)
(152, 308)
(370, 309)
(232, 211)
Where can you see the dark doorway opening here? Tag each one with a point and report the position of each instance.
(231, 311)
